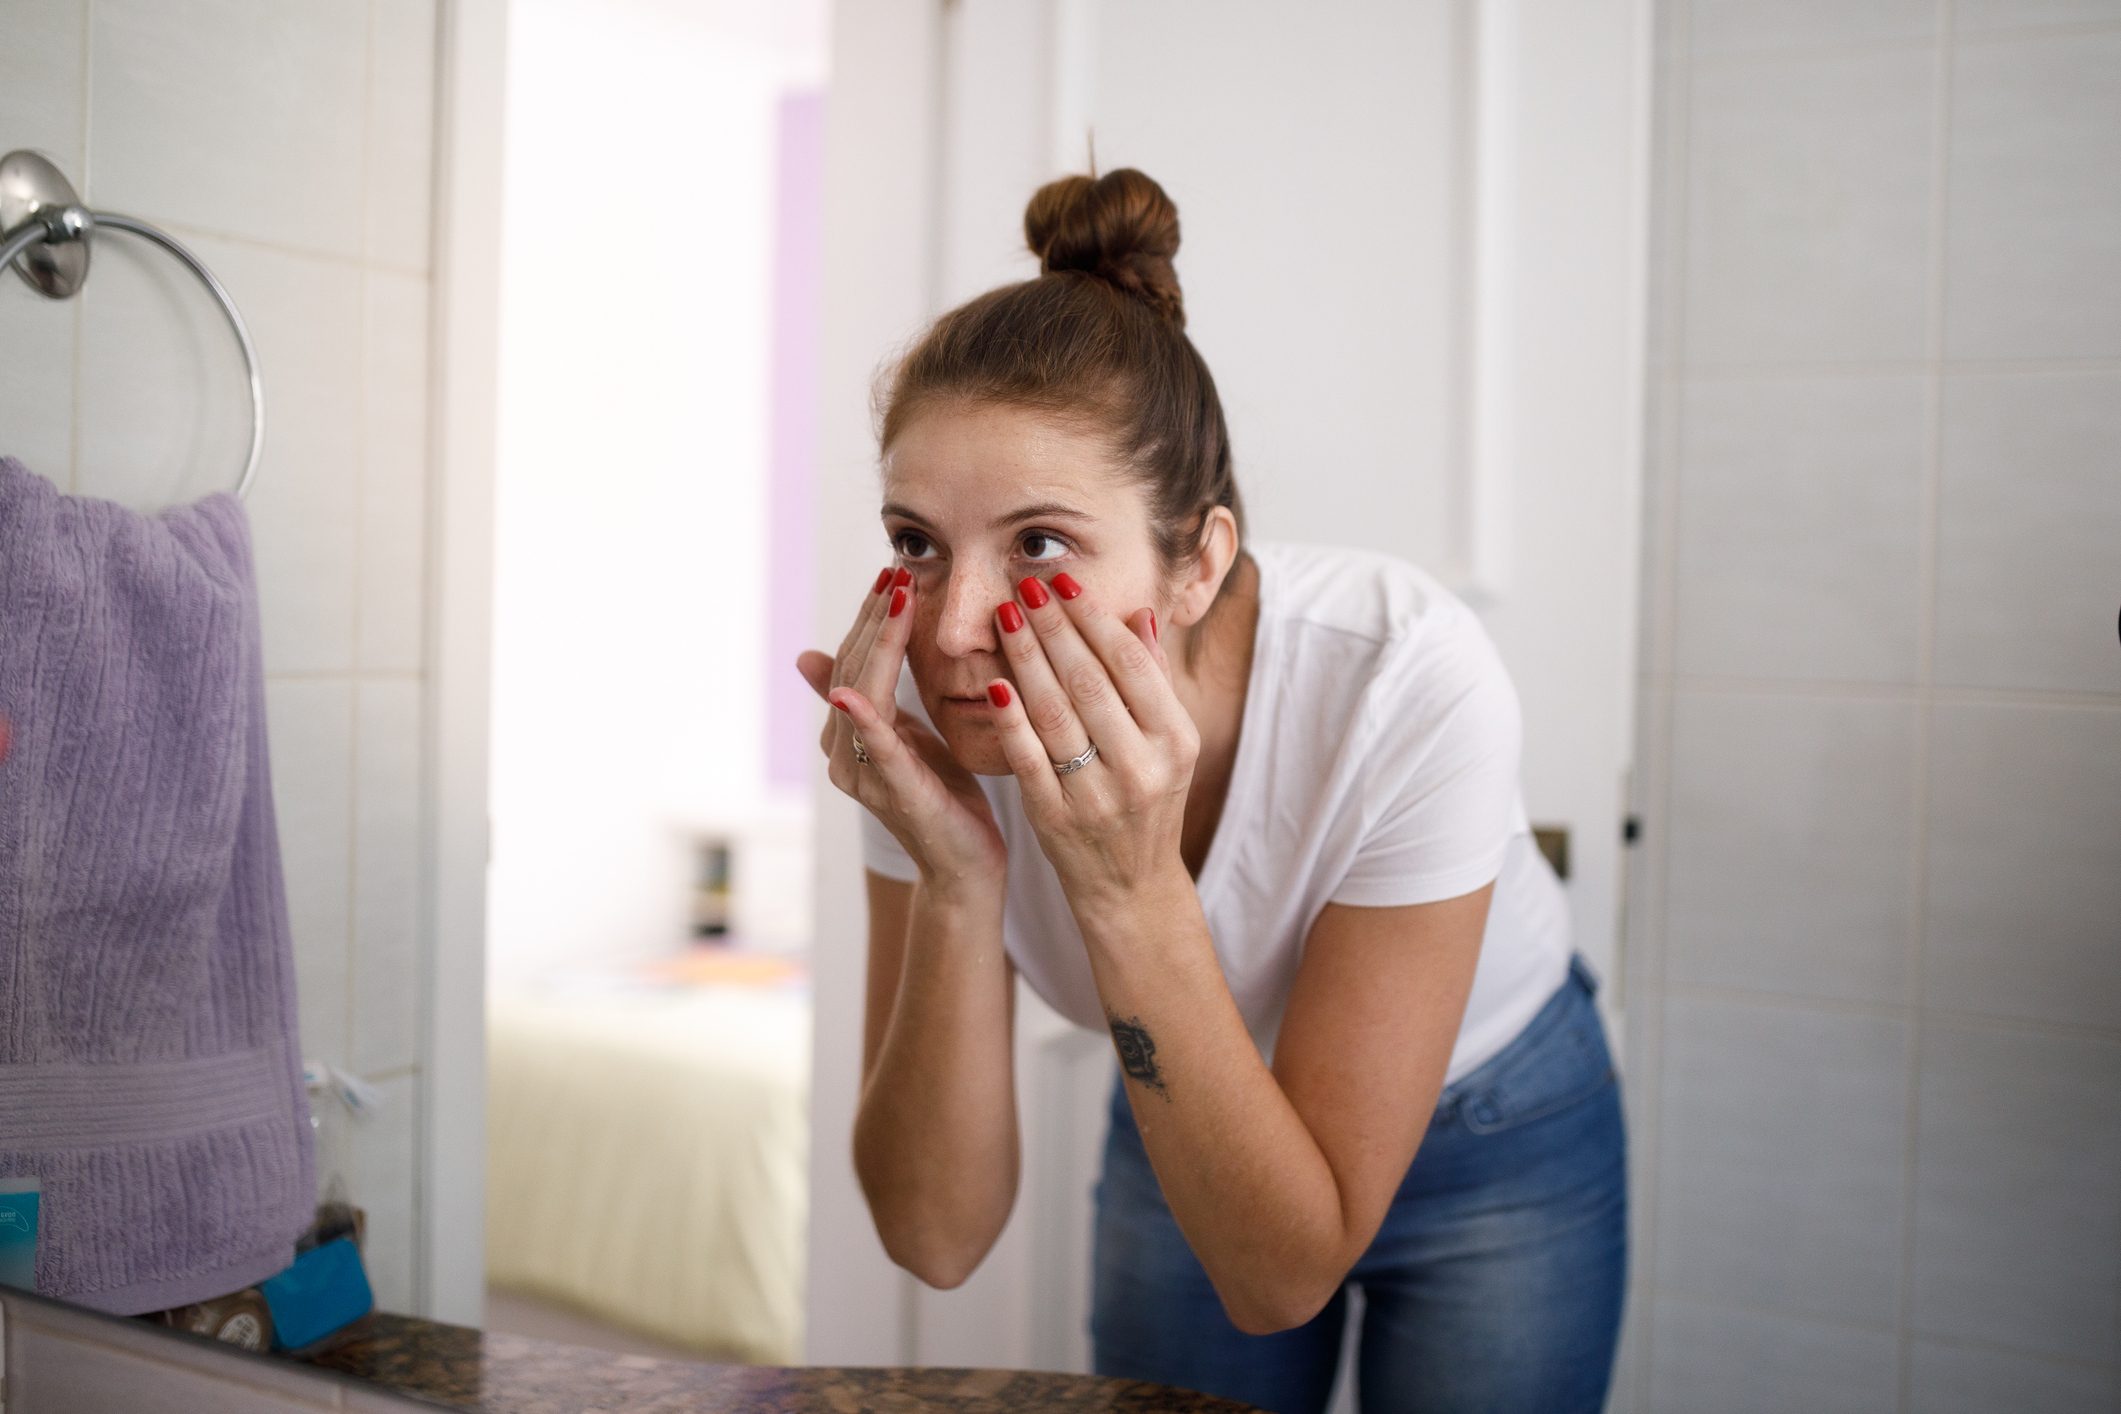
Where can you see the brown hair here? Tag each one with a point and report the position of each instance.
(1098, 337)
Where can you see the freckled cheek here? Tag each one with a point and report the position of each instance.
(927, 608)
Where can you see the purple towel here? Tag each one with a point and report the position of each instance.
(150, 1071)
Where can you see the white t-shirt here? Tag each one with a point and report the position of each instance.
(1377, 764)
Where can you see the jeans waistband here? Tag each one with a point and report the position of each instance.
(1576, 989)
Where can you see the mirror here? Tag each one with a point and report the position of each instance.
(441, 831)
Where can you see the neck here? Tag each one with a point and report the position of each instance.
(1213, 691)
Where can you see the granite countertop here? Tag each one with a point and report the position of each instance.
(458, 1367)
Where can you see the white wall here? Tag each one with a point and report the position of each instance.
(289, 146)
(631, 516)
(1875, 929)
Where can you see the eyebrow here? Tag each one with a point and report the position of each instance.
(1031, 512)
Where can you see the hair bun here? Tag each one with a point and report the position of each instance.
(1120, 227)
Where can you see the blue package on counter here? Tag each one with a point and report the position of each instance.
(18, 1232)
(324, 1289)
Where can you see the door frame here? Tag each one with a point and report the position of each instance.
(449, 1277)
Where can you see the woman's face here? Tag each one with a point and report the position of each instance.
(976, 497)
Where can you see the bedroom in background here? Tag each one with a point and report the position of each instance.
(648, 1007)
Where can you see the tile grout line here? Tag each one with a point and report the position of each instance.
(1880, 1327)
(1830, 49)
(1986, 366)
(1926, 674)
(1838, 690)
(2082, 1031)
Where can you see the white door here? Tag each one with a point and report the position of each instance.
(1412, 237)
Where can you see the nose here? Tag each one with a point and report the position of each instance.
(965, 623)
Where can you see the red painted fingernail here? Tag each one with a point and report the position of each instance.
(903, 577)
(998, 693)
(883, 578)
(1066, 586)
(841, 705)
(1012, 617)
(1034, 593)
(898, 601)
(1152, 625)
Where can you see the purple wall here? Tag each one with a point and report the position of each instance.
(791, 707)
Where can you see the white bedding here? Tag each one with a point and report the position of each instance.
(647, 1159)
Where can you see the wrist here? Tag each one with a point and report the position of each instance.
(960, 892)
(1168, 893)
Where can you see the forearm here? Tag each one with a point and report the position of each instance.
(1250, 1188)
(935, 1132)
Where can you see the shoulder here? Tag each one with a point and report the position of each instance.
(1395, 608)
(1412, 659)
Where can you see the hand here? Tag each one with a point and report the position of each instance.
(1085, 676)
(932, 805)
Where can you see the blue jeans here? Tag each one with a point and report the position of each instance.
(1495, 1283)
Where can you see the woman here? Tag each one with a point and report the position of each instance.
(1255, 809)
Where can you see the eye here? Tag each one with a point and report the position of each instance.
(898, 542)
(1049, 538)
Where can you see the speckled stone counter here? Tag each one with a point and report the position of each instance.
(458, 1367)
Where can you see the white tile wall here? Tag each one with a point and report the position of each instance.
(2029, 521)
(1970, 1379)
(310, 731)
(1984, 16)
(386, 862)
(1871, 937)
(2033, 225)
(401, 87)
(1800, 525)
(1739, 26)
(383, 1169)
(1740, 1360)
(40, 105)
(37, 395)
(290, 146)
(1809, 187)
(2018, 1190)
(1782, 1159)
(2024, 908)
(393, 517)
(233, 116)
(1792, 845)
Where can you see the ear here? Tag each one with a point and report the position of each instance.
(1218, 552)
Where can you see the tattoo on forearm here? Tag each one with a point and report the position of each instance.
(1137, 1052)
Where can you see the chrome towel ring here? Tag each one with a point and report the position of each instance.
(44, 237)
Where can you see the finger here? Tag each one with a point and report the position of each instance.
(893, 762)
(872, 607)
(1142, 623)
(1132, 665)
(878, 674)
(1024, 748)
(855, 664)
(1046, 706)
(1089, 679)
(847, 668)
(816, 669)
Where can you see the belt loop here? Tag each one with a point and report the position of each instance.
(1581, 968)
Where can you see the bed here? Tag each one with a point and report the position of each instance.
(648, 1141)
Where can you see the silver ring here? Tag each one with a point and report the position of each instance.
(1088, 753)
(861, 752)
